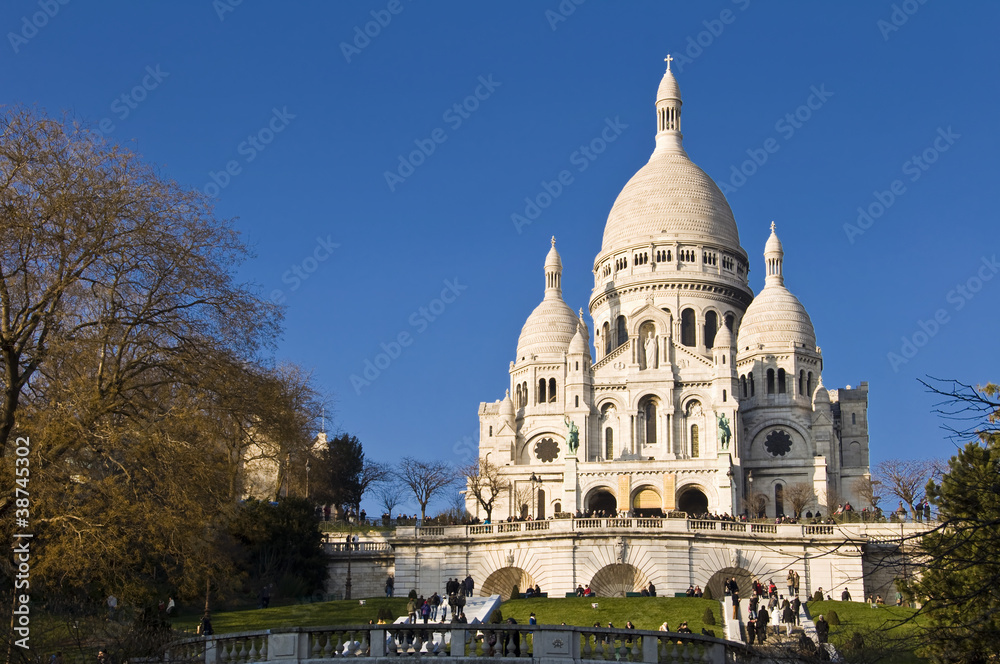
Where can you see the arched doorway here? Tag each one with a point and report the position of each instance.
(646, 503)
(502, 582)
(744, 579)
(693, 501)
(618, 579)
(602, 502)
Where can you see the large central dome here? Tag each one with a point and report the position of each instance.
(670, 197)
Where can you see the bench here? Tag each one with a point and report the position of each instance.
(524, 595)
(633, 594)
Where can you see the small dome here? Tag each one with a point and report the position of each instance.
(552, 259)
(723, 338)
(578, 345)
(776, 318)
(821, 395)
(668, 87)
(507, 407)
(548, 330)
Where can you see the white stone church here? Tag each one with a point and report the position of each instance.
(696, 395)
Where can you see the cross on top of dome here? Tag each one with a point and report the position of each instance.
(668, 60)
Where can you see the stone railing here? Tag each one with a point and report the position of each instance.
(360, 547)
(465, 642)
(665, 526)
(613, 354)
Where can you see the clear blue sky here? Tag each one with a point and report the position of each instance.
(310, 116)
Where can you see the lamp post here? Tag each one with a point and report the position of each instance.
(308, 468)
(750, 496)
(350, 545)
(534, 492)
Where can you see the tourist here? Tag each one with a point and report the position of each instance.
(579, 591)
(435, 602)
(390, 585)
(845, 596)
(697, 591)
(532, 620)
(751, 630)
(512, 636)
(787, 617)
(822, 629)
(796, 605)
(651, 589)
(690, 591)
(684, 629)
(791, 583)
(205, 627)
(665, 627)
(411, 610)
(762, 619)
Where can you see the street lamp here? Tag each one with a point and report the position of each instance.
(534, 492)
(750, 497)
(308, 468)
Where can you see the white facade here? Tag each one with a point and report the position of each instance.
(691, 394)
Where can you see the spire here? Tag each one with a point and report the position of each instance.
(668, 111)
(773, 258)
(553, 272)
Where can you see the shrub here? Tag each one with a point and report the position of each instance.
(707, 594)
(385, 613)
(412, 595)
(496, 617)
(515, 592)
(833, 618)
(708, 617)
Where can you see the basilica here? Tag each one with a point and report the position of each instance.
(687, 392)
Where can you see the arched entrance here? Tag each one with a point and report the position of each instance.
(602, 502)
(693, 501)
(646, 503)
(618, 579)
(744, 579)
(502, 582)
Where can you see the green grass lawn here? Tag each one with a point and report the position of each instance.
(898, 625)
(340, 612)
(644, 612)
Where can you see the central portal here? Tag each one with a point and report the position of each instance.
(602, 503)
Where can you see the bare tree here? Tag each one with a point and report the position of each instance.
(756, 504)
(426, 479)
(373, 473)
(870, 490)
(799, 495)
(833, 499)
(904, 479)
(486, 482)
(522, 500)
(390, 494)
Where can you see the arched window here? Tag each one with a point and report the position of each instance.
(557, 508)
(491, 432)
(711, 327)
(743, 385)
(854, 418)
(802, 383)
(606, 331)
(751, 384)
(695, 443)
(781, 381)
(723, 396)
(688, 336)
(524, 394)
(541, 504)
(730, 320)
(779, 500)
(576, 401)
(552, 390)
(517, 395)
(541, 390)
(620, 331)
(770, 381)
(609, 443)
(647, 420)
(809, 384)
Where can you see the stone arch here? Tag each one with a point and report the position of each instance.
(526, 453)
(617, 579)
(744, 579)
(603, 499)
(646, 501)
(502, 581)
(692, 499)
